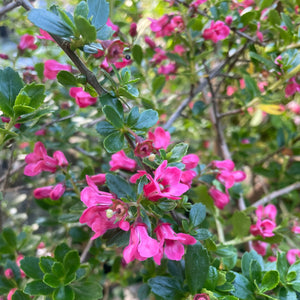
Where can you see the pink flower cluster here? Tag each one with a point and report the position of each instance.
(52, 67)
(39, 161)
(266, 221)
(167, 25)
(27, 42)
(228, 178)
(217, 31)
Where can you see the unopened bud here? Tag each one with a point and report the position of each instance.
(151, 157)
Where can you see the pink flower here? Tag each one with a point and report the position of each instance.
(8, 273)
(115, 51)
(60, 158)
(98, 179)
(132, 30)
(82, 98)
(178, 23)
(292, 255)
(201, 296)
(52, 67)
(45, 35)
(150, 42)
(160, 137)
(191, 161)
(227, 164)
(260, 247)
(268, 212)
(10, 294)
(261, 85)
(264, 228)
(179, 49)
(292, 87)
(18, 262)
(167, 69)
(27, 42)
(123, 63)
(229, 178)
(104, 65)
(228, 20)
(166, 183)
(4, 56)
(220, 199)
(119, 160)
(53, 192)
(242, 83)
(39, 161)
(103, 211)
(40, 132)
(259, 34)
(230, 90)
(114, 27)
(296, 229)
(144, 148)
(159, 56)
(294, 107)
(272, 258)
(171, 243)
(217, 31)
(196, 3)
(141, 245)
(187, 177)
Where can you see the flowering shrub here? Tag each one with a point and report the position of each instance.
(157, 148)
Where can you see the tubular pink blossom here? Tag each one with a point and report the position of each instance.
(98, 179)
(227, 164)
(45, 35)
(191, 161)
(150, 42)
(160, 137)
(171, 243)
(141, 245)
(57, 191)
(220, 199)
(82, 98)
(264, 228)
(260, 247)
(133, 30)
(42, 192)
(60, 158)
(292, 255)
(268, 212)
(27, 42)
(119, 160)
(52, 67)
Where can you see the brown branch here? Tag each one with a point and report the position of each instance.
(273, 195)
(10, 6)
(230, 113)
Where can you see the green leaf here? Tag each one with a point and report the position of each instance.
(269, 281)
(67, 79)
(228, 254)
(114, 142)
(251, 86)
(63, 293)
(30, 265)
(35, 115)
(287, 21)
(10, 86)
(116, 237)
(105, 33)
(247, 16)
(119, 186)
(166, 287)
(113, 116)
(267, 62)
(241, 224)
(202, 234)
(66, 17)
(105, 128)
(125, 92)
(137, 54)
(99, 11)
(158, 84)
(58, 269)
(10, 237)
(167, 205)
(71, 261)
(255, 271)
(274, 17)
(87, 31)
(60, 251)
(265, 3)
(46, 264)
(19, 295)
(23, 110)
(177, 58)
(196, 259)
(51, 280)
(246, 262)
(212, 278)
(197, 214)
(282, 265)
(198, 108)
(242, 287)
(37, 287)
(133, 116)
(147, 119)
(81, 9)
(286, 294)
(90, 290)
(50, 22)
(178, 151)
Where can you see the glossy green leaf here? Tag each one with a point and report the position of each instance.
(64, 293)
(114, 142)
(86, 30)
(98, 12)
(242, 287)
(46, 264)
(51, 280)
(37, 287)
(50, 22)
(113, 117)
(81, 9)
(241, 223)
(119, 186)
(147, 119)
(137, 53)
(60, 252)
(19, 295)
(71, 261)
(196, 259)
(30, 265)
(274, 17)
(269, 281)
(89, 289)
(197, 214)
(10, 86)
(178, 152)
(10, 237)
(67, 79)
(158, 83)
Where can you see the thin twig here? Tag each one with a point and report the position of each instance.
(86, 251)
(10, 6)
(273, 195)
(230, 113)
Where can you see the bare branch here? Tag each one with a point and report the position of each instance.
(274, 195)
